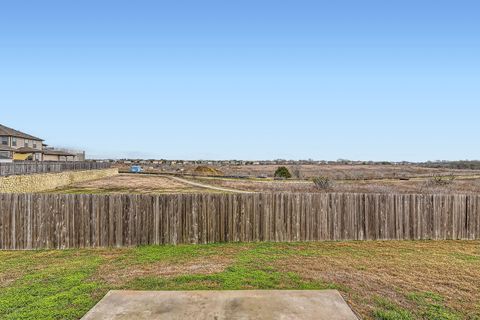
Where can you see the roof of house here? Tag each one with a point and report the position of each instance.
(57, 153)
(26, 150)
(6, 131)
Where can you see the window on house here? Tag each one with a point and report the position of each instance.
(14, 142)
(4, 155)
(26, 143)
(35, 144)
(5, 141)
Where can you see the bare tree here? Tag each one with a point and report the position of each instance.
(322, 183)
(297, 172)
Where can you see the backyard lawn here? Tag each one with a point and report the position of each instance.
(379, 280)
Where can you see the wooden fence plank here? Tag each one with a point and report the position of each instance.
(37, 221)
(33, 167)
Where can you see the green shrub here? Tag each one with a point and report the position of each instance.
(282, 172)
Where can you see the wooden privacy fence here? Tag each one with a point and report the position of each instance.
(35, 221)
(31, 167)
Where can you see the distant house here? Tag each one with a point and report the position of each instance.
(57, 155)
(18, 145)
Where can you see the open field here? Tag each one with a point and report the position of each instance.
(333, 171)
(379, 280)
(346, 171)
(133, 183)
(419, 185)
(344, 178)
(159, 184)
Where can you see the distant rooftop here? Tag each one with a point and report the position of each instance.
(27, 150)
(6, 131)
(57, 152)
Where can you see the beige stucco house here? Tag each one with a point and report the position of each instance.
(17, 145)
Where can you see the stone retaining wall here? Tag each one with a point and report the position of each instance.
(48, 181)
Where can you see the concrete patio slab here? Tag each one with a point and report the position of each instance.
(254, 304)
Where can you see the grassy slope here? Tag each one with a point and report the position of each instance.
(380, 280)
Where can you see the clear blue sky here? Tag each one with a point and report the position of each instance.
(369, 80)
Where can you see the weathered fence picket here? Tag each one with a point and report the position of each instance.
(38, 221)
(32, 167)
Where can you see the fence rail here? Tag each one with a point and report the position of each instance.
(31, 167)
(37, 221)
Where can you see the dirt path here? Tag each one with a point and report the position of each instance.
(207, 186)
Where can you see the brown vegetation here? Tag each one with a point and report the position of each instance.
(155, 184)
(395, 271)
(343, 171)
(416, 185)
(132, 183)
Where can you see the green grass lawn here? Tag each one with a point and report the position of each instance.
(379, 280)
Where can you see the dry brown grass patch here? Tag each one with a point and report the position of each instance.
(395, 269)
(131, 183)
(122, 274)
